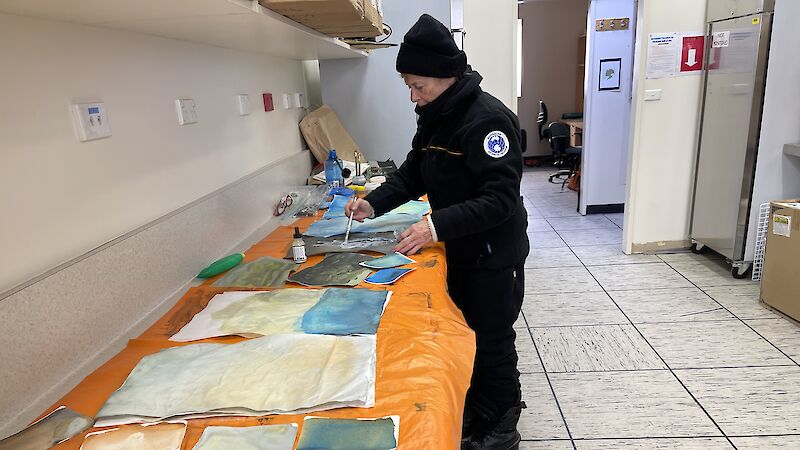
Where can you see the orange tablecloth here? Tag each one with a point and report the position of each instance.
(424, 356)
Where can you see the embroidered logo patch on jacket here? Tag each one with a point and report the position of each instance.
(496, 144)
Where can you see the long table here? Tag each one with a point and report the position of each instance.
(425, 353)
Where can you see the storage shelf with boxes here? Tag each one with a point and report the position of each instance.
(335, 18)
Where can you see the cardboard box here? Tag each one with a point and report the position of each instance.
(336, 18)
(780, 283)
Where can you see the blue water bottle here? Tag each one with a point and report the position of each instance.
(333, 171)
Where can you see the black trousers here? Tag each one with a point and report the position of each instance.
(491, 301)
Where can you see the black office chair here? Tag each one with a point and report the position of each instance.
(541, 120)
(567, 158)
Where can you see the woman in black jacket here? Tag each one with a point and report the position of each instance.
(466, 156)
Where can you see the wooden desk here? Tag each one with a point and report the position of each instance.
(575, 132)
(425, 352)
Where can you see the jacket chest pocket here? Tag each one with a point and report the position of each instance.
(443, 168)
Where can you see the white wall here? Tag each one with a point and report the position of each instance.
(550, 63)
(490, 42)
(607, 116)
(369, 96)
(778, 175)
(63, 198)
(662, 161)
(661, 178)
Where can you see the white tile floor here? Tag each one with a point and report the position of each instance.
(645, 351)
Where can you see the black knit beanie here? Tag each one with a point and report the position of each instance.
(428, 50)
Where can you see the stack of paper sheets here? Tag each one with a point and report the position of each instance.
(284, 373)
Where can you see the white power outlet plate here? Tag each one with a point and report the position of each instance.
(90, 121)
(187, 111)
(244, 104)
(286, 101)
(298, 100)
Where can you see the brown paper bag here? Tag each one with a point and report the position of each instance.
(323, 131)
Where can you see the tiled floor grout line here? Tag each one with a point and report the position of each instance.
(734, 315)
(549, 383)
(671, 371)
(694, 369)
(667, 322)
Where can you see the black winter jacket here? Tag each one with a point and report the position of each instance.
(471, 174)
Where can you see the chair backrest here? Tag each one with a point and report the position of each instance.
(541, 120)
(558, 133)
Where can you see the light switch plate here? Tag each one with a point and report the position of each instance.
(244, 104)
(286, 101)
(298, 100)
(187, 111)
(90, 121)
(652, 95)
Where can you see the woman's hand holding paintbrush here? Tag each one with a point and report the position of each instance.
(359, 209)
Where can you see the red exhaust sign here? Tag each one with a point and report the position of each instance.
(692, 53)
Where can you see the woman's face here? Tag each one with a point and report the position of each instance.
(426, 89)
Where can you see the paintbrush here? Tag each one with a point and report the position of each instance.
(350, 222)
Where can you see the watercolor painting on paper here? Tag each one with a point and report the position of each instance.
(266, 437)
(346, 311)
(263, 272)
(374, 242)
(349, 434)
(338, 226)
(162, 436)
(332, 311)
(58, 426)
(414, 207)
(388, 261)
(282, 373)
(337, 269)
(387, 276)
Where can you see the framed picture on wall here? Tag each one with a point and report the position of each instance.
(610, 74)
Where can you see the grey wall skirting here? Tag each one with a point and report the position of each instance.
(59, 327)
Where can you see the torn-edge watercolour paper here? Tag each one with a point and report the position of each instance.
(388, 261)
(282, 373)
(386, 222)
(414, 207)
(263, 272)
(384, 242)
(387, 276)
(161, 436)
(315, 311)
(350, 434)
(58, 426)
(262, 437)
(337, 269)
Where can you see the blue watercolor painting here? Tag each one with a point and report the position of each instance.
(343, 312)
(387, 276)
(336, 208)
(413, 207)
(388, 261)
(387, 222)
(347, 434)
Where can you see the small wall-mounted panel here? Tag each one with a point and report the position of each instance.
(243, 100)
(187, 111)
(268, 104)
(623, 23)
(90, 121)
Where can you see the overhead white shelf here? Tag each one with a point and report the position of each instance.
(235, 24)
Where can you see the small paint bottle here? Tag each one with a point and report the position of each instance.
(298, 247)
